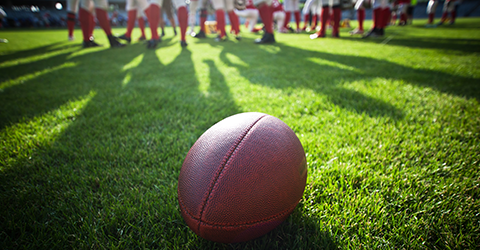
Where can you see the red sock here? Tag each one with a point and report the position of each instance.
(360, 18)
(266, 14)
(337, 13)
(444, 17)
(288, 16)
(325, 17)
(153, 16)
(132, 15)
(306, 17)
(387, 15)
(103, 20)
(403, 18)
(182, 15)
(233, 21)
(91, 25)
(454, 15)
(297, 18)
(315, 19)
(84, 17)
(203, 19)
(377, 18)
(431, 16)
(70, 23)
(220, 14)
(141, 25)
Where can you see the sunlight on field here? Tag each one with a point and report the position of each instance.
(21, 140)
(24, 78)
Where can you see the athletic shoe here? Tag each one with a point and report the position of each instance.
(266, 38)
(114, 43)
(221, 38)
(124, 37)
(90, 44)
(200, 34)
(336, 35)
(152, 43)
(356, 32)
(71, 38)
(163, 32)
(174, 32)
(316, 35)
(298, 31)
(372, 33)
(142, 38)
(3, 40)
(183, 44)
(238, 37)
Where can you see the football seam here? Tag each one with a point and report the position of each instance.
(227, 157)
(285, 212)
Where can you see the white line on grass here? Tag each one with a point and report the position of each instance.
(387, 40)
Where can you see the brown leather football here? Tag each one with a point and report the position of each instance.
(242, 178)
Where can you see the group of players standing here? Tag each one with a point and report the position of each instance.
(269, 11)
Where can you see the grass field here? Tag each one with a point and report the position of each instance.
(92, 140)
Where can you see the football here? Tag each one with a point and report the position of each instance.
(242, 178)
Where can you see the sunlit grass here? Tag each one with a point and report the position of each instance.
(92, 140)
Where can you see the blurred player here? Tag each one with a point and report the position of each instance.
(449, 8)
(381, 17)
(360, 8)
(311, 10)
(336, 13)
(220, 7)
(291, 6)
(279, 16)
(265, 10)
(167, 8)
(250, 13)
(86, 20)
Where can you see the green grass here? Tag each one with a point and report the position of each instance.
(92, 140)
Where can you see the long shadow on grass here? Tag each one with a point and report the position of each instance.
(330, 71)
(110, 177)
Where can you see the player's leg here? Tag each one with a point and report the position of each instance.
(337, 15)
(131, 8)
(192, 13)
(153, 15)
(219, 6)
(72, 10)
(296, 14)
(325, 16)
(141, 25)
(378, 19)
(101, 7)
(431, 8)
(265, 10)
(182, 15)
(234, 21)
(279, 17)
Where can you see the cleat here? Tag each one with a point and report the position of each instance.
(336, 35)
(163, 33)
(125, 38)
(90, 44)
(356, 32)
(71, 38)
(317, 35)
(200, 34)
(114, 43)
(142, 38)
(152, 43)
(3, 40)
(183, 44)
(267, 38)
(174, 32)
(221, 39)
(372, 33)
(238, 37)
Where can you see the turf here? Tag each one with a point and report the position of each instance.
(92, 140)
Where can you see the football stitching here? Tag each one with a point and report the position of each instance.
(225, 160)
(287, 211)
